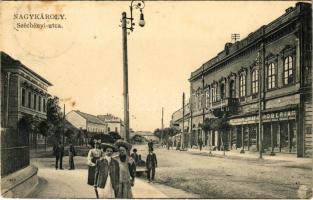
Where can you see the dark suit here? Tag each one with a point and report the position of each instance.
(151, 164)
(58, 152)
(102, 171)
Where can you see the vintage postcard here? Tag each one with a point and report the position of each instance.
(156, 99)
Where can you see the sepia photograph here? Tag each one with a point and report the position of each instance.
(144, 99)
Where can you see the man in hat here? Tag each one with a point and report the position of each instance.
(58, 152)
(127, 168)
(93, 155)
(107, 173)
(151, 164)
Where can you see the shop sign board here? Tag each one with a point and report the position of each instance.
(275, 116)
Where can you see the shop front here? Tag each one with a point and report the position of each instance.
(279, 132)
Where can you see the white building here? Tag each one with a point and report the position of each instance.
(86, 121)
(114, 124)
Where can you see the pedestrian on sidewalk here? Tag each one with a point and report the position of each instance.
(93, 155)
(151, 164)
(200, 142)
(107, 174)
(150, 144)
(58, 152)
(127, 169)
(71, 154)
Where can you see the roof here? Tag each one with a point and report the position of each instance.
(9, 62)
(231, 50)
(90, 118)
(109, 118)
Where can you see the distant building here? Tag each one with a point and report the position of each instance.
(23, 93)
(85, 121)
(147, 135)
(114, 124)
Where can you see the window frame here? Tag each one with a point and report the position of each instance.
(289, 70)
(255, 81)
(242, 85)
(271, 74)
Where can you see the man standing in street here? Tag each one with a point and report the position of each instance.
(150, 145)
(71, 154)
(200, 142)
(135, 156)
(151, 164)
(58, 152)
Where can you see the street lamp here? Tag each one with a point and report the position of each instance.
(125, 21)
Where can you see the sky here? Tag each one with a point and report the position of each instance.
(83, 59)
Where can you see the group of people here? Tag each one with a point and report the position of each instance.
(111, 174)
(58, 151)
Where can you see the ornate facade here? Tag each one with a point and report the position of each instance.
(266, 77)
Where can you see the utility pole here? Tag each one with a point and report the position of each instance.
(63, 124)
(140, 4)
(261, 85)
(125, 76)
(162, 126)
(182, 133)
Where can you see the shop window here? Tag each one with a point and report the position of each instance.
(288, 70)
(271, 76)
(232, 89)
(242, 85)
(23, 97)
(255, 81)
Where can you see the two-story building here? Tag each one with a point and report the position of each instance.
(23, 93)
(264, 79)
(87, 122)
(262, 82)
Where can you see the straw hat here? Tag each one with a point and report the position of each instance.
(104, 146)
(121, 143)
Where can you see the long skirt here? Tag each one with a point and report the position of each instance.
(71, 162)
(91, 175)
(107, 192)
(125, 191)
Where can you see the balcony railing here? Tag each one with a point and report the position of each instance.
(226, 104)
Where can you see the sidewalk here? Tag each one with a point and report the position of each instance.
(73, 184)
(251, 155)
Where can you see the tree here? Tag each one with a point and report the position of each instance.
(55, 117)
(206, 127)
(221, 125)
(26, 127)
(115, 136)
(43, 129)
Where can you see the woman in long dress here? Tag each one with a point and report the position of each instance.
(93, 155)
(107, 174)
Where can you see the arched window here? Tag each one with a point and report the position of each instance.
(207, 99)
(255, 81)
(271, 76)
(214, 93)
(242, 85)
(232, 91)
(222, 91)
(288, 70)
